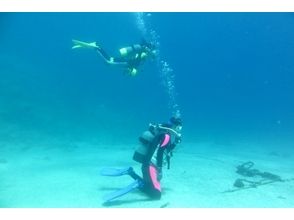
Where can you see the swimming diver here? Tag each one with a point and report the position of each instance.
(131, 57)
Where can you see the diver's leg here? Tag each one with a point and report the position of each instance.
(110, 171)
(151, 184)
(103, 53)
(133, 174)
(109, 59)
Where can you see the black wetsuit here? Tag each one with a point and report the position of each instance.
(133, 60)
(152, 171)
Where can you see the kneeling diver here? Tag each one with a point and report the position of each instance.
(155, 150)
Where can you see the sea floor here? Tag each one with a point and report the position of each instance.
(66, 174)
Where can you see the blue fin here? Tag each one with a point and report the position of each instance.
(116, 194)
(110, 171)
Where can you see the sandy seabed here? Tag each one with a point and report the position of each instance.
(59, 174)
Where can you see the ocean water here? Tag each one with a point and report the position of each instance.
(230, 75)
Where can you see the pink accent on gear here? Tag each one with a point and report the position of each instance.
(166, 140)
(153, 174)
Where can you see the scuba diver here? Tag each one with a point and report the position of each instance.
(155, 150)
(131, 57)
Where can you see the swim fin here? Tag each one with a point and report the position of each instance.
(116, 194)
(81, 44)
(110, 171)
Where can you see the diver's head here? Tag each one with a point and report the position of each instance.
(145, 43)
(149, 47)
(176, 123)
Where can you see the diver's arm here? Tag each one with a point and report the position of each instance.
(160, 151)
(159, 157)
(159, 162)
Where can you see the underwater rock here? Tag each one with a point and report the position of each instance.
(238, 183)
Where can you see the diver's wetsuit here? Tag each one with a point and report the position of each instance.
(150, 170)
(133, 60)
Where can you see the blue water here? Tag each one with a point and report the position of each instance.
(232, 77)
(233, 74)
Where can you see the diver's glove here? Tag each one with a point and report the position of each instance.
(178, 139)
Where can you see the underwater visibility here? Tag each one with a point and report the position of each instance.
(146, 110)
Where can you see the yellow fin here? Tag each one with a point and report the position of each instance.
(79, 44)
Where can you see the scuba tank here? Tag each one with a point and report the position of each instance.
(142, 150)
(147, 139)
(131, 50)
